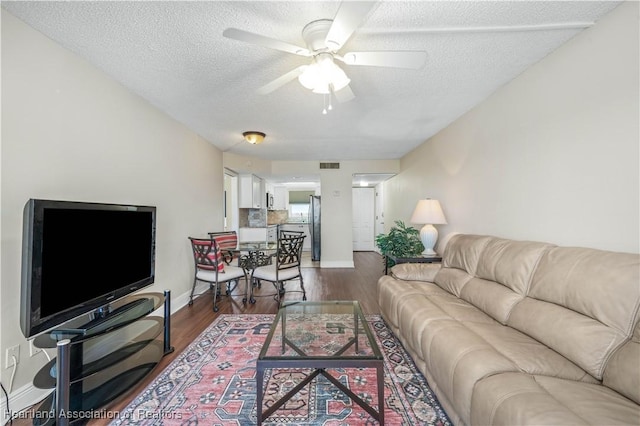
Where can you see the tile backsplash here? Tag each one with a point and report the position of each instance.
(259, 218)
(252, 218)
(275, 217)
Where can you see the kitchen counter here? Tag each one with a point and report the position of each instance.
(252, 234)
(301, 227)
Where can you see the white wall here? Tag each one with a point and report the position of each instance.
(70, 132)
(553, 156)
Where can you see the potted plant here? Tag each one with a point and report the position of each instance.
(402, 241)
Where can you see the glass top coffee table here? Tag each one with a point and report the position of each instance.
(319, 336)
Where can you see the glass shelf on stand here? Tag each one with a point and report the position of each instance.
(110, 351)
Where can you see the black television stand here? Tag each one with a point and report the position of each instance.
(106, 356)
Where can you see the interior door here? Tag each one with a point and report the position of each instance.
(230, 201)
(379, 228)
(363, 219)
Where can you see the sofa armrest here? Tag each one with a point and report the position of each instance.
(416, 271)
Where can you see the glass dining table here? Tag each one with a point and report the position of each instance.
(253, 254)
(256, 245)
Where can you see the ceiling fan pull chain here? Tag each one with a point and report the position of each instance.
(324, 99)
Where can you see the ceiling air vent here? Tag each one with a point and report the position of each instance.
(329, 165)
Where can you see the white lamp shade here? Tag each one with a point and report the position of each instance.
(428, 212)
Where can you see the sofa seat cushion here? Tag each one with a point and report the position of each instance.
(457, 358)
(529, 355)
(391, 290)
(460, 345)
(523, 399)
(418, 305)
(417, 312)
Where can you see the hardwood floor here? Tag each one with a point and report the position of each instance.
(358, 283)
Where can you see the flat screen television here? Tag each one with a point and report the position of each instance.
(77, 257)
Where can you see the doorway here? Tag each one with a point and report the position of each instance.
(363, 219)
(230, 201)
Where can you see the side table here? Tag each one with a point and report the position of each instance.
(412, 259)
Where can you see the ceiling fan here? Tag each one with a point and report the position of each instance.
(324, 39)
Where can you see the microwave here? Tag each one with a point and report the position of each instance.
(270, 201)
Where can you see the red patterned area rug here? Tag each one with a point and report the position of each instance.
(213, 383)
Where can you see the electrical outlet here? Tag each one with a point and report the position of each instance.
(33, 350)
(13, 351)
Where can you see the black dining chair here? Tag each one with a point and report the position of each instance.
(211, 268)
(285, 266)
(287, 233)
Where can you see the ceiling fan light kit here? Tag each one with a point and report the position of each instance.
(324, 38)
(253, 138)
(323, 76)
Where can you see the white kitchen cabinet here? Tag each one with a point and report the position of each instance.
(300, 227)
(252, 234)
(280, 198)
(252, 195)
(268, 187)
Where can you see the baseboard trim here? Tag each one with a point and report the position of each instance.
(336, 264)
(22, 398)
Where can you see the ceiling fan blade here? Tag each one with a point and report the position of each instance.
(349, 17)
(395, 59)
(344, 95)
(261, 40)
(281, 81)
(481, 29)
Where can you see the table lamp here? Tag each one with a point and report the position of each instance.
(429, 213)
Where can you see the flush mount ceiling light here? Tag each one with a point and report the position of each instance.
(254, 138)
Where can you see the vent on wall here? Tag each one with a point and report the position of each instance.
(329, 165)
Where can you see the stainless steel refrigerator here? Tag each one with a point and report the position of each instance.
(314, 226)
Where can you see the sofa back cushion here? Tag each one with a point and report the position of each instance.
(583, 303)
(622, 372)
(460, 261)
(493, 274)
(511, 263)
(463, 252)
(503, 276)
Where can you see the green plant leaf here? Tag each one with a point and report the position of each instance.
(401, 241)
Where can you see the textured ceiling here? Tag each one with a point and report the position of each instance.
(174, 55)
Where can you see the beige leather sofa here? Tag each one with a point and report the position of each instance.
(522, 333)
